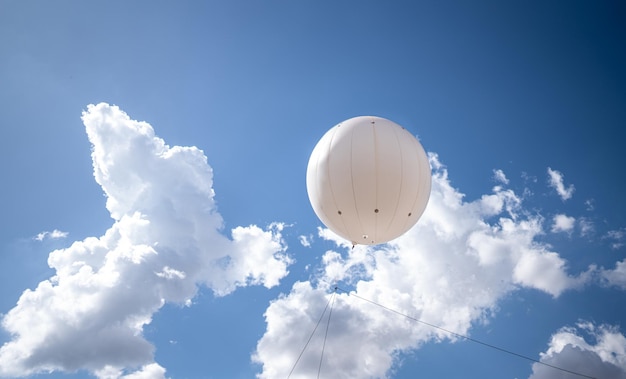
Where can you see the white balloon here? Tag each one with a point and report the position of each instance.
(368, 180)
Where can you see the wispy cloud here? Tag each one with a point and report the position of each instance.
(305, 240)
(166, 240)
(55, 234)
(498, 176)
(616, 237)
(586, 226)
(556, 182)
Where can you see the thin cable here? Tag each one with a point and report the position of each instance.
(466, 337)
(311, 336)
(330, 313)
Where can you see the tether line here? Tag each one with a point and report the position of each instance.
(330, 313)
(466, 337)
(311, 336)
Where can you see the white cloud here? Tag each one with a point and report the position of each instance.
(528, 178)
(305, 240)
(450, 270)
(617, 276)
(616, 238)
(149, 371)
(556, 182)
(55, 234)
(165, 240)
(604, 357)
(499, 176)
(586, 226)
(563, 223)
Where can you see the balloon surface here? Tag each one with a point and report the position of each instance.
(368, 180)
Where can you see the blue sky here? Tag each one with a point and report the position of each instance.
(185, 246)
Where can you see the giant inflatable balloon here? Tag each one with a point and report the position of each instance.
(368, 180)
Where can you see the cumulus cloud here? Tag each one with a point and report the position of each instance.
(450, 270)
(563, 223)
(617, 276)
(55, 234)
(556, 182)
(165, 240)
(603, 357)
